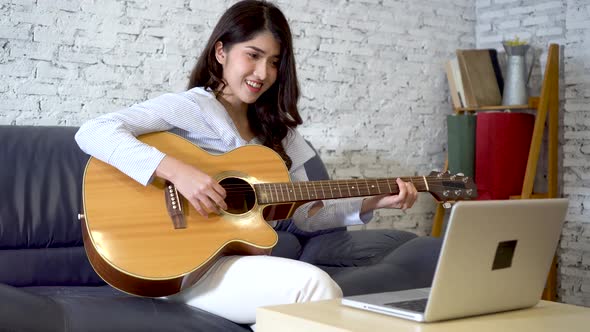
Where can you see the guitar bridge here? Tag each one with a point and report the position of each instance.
(174, 205)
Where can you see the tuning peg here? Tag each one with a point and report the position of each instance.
(446, 205)
(460, 174)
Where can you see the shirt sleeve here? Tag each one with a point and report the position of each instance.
(335, 212)
(112, 137)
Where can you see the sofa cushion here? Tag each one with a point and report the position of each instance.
(315, 168)
(22, 311)
(41, 178)
(42, 170)
(88, 309)
(47, 266)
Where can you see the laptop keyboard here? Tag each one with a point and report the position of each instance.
(413, 305)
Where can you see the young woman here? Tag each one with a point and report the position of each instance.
(243, 90)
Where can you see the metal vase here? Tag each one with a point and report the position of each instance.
(516, 80)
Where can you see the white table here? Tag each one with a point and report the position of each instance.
(331, 316)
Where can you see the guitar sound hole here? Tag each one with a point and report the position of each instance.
(240, 195)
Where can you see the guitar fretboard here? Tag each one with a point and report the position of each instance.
(273, 193)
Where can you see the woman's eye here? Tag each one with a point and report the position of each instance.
(253, 55)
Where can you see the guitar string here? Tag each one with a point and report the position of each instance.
(344, 194)
(433, 182)
(431, 178)
(319, 184)
(275, 188)
(328, 184)
(361, 188)
(359, 182)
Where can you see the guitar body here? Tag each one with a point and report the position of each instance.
(130, 238)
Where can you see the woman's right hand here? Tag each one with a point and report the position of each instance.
(201, 190)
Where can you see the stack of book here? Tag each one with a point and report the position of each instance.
(475, 78)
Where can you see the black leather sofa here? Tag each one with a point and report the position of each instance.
(47, 283)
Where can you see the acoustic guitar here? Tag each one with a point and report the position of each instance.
(149, 241)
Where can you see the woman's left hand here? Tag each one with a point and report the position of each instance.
(405, 199)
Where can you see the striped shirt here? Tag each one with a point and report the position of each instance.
(199, 117)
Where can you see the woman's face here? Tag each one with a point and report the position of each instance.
(249, 68)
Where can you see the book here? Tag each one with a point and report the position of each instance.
(497, 69)
(461, 143)
(502, 145)
(455, 83)
(480, 84)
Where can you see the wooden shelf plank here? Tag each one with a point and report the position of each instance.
(532, 105)
(492, 108)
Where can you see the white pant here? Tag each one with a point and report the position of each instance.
(236, 285)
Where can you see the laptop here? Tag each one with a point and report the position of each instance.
(495, 257)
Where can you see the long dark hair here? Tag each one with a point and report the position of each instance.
(275, 111)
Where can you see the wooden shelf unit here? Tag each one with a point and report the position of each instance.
(547, 108)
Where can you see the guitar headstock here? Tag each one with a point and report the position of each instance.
(446, 187)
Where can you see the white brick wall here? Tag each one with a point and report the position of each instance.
(575, 274)
(374, 93)
(566, 22)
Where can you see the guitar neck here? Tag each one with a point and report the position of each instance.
(274, 193)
